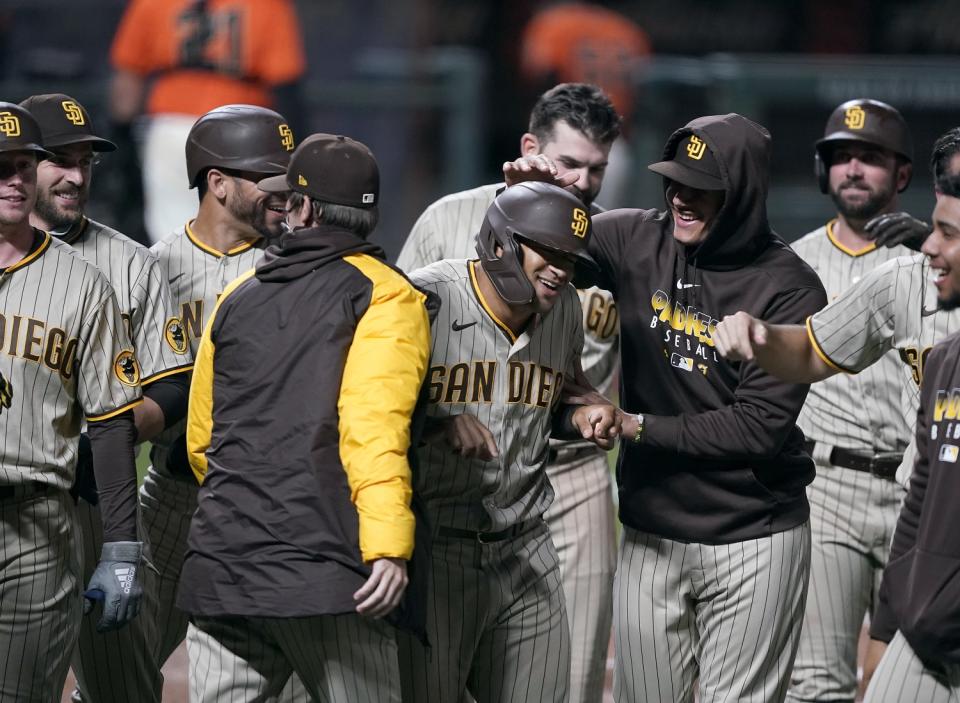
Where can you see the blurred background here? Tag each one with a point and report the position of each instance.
(441, 89)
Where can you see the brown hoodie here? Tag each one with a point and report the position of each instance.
(722, 458)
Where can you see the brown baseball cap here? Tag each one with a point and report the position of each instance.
(332, 168)
(63, 121)
(693, 164)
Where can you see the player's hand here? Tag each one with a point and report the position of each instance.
(536, 168)
(893, 228)
(872, 657)
(116, 583)
(598, 423)
(468, 437)
(738, 336)
(383, 590)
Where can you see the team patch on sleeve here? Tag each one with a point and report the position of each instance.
(175, 335)
(6, 394)
(126, 368)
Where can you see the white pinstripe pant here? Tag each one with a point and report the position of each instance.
(902, 678)
(339, 658)
(496, 622)
(852, 518)
(40, 603)
(727, 614)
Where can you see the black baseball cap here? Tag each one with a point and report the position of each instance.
(332, 168)
(693, 164)
(64, 121)
(19, 131)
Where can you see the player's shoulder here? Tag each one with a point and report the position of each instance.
(379, 273)
(172, 242)
(126, 248)
(441, 273)
(479, 197)
(67, 256)
(810, 240)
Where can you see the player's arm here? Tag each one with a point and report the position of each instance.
(786, 351)
(382, 377)
(422, 246)
(761, 416)
(164, 405)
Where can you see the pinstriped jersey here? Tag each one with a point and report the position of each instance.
(142, 294)
(892, 307)
(65, 359)
(511, 384)
(831, 414)
(197, 275)
(448, 230)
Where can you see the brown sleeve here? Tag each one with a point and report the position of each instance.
(114, 466)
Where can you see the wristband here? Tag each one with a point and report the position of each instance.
(638, 435)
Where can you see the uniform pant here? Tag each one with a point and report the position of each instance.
(852, 518)
(166, 508)
(902, 678)
(339, 658)
(727, 614)
(581, 522)
(118, 666)
(40, 601)
(496, 623)
(168, 200)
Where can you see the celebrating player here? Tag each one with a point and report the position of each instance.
(919, 592)
(63, 187)
(228, 150)
(863, 162)
(507, 336)
(67, 361)
(575, 125)
(349, 340)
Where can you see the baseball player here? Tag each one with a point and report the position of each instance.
(714, 557)
(305, 587)
(507, 336)
(228, 150)
(863, 161)
(575, 125)
(66, 361)
(918, 607)
(63, 187)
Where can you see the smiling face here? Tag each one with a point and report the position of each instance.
(63, 186)
(573, 152)
(263, 212)
(548, 273)
(693, 210)
(18, 186)
(943, 249)
(864, 179)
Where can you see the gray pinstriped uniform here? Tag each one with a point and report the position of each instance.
(511, 641)
(66, 358)
(581, 518)
(157, 336)
(197, 275)
(892, 307)
(852, 513)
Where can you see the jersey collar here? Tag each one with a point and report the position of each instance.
(41, 242)
(210, 250)
(483, 303)
(847, 250)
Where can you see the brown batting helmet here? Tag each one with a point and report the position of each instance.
(239, 137)
(539, 213)
(867, 121)
(19, 131)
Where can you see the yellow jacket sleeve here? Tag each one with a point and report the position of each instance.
(384, 370)
(200, 407)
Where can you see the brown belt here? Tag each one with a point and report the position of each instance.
(882, 465)
(484, 537)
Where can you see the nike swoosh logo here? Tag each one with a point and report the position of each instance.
(681, 284)
(457, 326)
(927, 313)
(176, 278)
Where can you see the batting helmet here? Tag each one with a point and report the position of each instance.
(541, 214)
(862, 120)
(19, 131)
(240, 137)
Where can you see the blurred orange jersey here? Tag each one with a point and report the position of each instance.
(209, 53)
(579, 43)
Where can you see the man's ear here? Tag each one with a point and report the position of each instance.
(217, 183)
(529, 144)
(904, 172)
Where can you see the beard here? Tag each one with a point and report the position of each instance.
(254, 214)
(55, 216)
(872, 206)
(952, 302)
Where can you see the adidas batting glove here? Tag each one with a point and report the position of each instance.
(115, 582)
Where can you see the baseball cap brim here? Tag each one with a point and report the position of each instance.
(96, 143)
(681, 173)
(275, 184)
